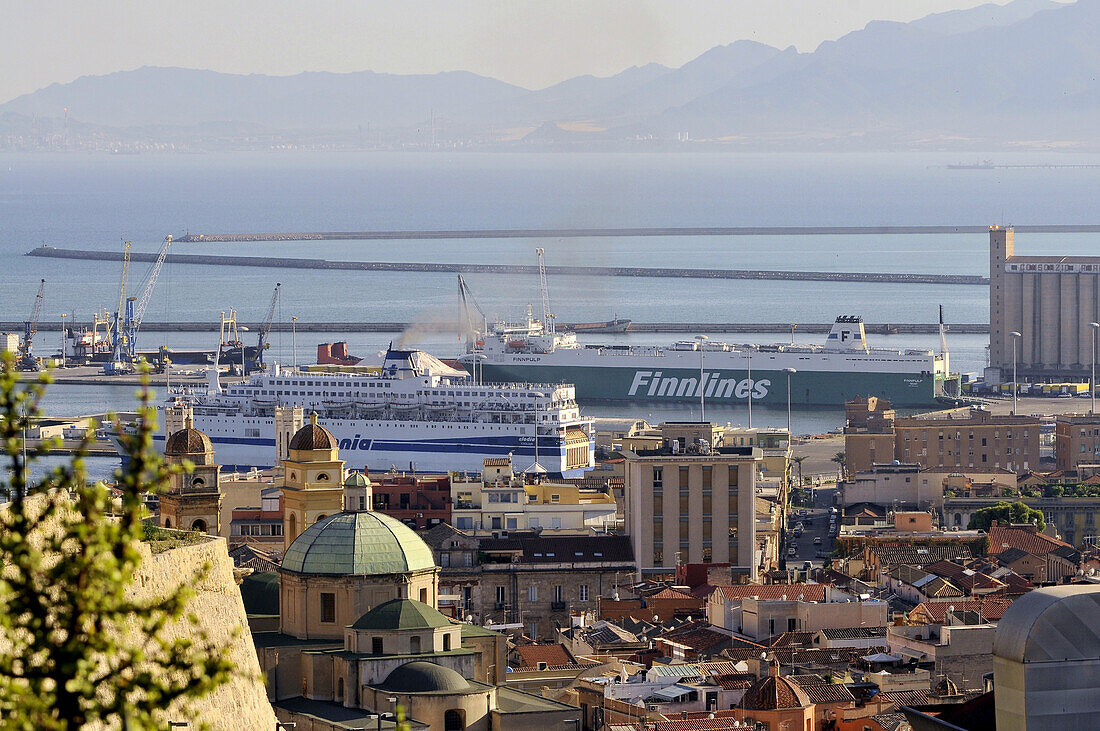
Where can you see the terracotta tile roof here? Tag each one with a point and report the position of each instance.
(894, 554)
(992, 608)
(671, 593)
(249, 556)
(809, 592)
(908, 697)
(854, 633)
(792, 638)
(532, 655)
(1002, 537)
(828, 693)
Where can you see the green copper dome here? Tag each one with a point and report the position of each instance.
(402, 614)
(359, 544)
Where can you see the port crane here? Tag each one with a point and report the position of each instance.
(544, 295)
(131, 311)
(265, 329)
(27, 361)
(465, 299)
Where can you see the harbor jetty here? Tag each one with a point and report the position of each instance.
(976, 328)
(513, 269)
(556, 233)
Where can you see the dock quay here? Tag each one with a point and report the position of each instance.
(534, 233)
(590, 271)
(975, 328)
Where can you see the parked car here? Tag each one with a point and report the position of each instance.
(792, 551)
(817, 540)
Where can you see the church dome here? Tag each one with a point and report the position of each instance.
(187, 441)
(402, 614)
(356, 479)
(313, 436)
(425, 677)
(773, 693)
(358, 544)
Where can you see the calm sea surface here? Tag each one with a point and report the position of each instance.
(95, 201)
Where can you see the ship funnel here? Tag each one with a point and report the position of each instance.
(848, 334)
(215, 384)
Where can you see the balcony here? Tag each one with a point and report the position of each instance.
(499, 606)
(559, 606)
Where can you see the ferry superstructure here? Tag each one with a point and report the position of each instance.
(824, 375)
(416, 414)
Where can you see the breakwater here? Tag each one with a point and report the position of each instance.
(591, 271)
(536, 233)
(978, 328)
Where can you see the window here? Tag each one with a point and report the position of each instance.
(532, 593)
(414, 644)
(658, 477)
(444, 560)
(501, 597)
(465, 524)
(376, 645)
(446, 642)
(584, 592)
(328, 607)
(558, 593)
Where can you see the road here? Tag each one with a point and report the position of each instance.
(816, 525)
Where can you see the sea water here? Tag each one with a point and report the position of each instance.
(95, 201)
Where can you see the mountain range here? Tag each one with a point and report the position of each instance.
(1026, 73)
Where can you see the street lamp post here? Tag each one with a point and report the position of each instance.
(1015, 387)
(790, 372)
(294, 339)
(702, 402)
(1092, 379)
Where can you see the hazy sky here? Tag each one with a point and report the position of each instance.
(532, 44)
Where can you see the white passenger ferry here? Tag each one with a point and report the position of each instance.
(417, 414)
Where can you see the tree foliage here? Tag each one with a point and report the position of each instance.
(75, 647)
(1004, 512)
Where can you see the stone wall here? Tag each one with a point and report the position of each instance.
(242, 702)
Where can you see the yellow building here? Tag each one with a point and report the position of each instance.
(500, 500)
(313, 476)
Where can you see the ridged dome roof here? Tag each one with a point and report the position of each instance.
(356, 479)
(947, 686)
(357, 544)
(424, 677)
(187, 441)
(773, 693)
(402, 614)
(313, 436)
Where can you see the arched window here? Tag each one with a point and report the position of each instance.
(199, 525)
(167, 522)
(453, 720)
(320, 517)
(414, 644)
(958, 519)
(293, 526)
(322, 477)
(198, 482)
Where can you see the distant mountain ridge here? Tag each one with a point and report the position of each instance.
(1028, 70)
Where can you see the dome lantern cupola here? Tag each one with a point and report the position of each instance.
(358, 493)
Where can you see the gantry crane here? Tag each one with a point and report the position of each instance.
(127, 322)
(27, 361)
(265, 329)
(544, 295)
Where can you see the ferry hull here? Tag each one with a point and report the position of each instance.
(643, 384)
(430, 454)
